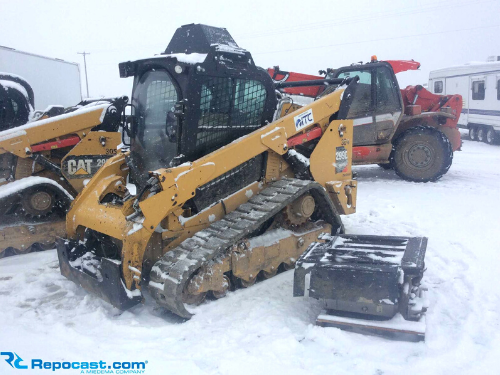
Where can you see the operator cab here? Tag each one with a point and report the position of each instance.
(377, 105)
(202, 93)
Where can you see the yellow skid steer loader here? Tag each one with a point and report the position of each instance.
(45, 163)
(224, 196)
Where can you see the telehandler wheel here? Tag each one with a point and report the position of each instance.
(422, 154)
(491, 137)
(481, 134)
(473, 133)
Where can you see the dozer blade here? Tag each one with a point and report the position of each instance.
(103, 280)
(396, 328)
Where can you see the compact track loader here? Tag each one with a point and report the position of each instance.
(45, 163)
(224, 197)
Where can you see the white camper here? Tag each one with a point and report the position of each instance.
(54, 81)
(479, 85)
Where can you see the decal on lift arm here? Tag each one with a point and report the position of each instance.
(83, 166)
(341, 159)
(304, 119)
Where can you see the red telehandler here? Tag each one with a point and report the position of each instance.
(411, 130)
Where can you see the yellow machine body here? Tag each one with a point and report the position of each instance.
(64, 167)
(164, 224)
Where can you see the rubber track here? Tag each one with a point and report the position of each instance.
(174, 268)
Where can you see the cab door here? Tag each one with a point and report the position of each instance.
(388, 109)
(362, 109)
(377, 105)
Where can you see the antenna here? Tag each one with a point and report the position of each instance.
(85, 65)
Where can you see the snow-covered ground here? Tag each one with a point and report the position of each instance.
(264, 330)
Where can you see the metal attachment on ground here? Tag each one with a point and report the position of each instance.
(368, 284)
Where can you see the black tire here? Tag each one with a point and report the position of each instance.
(385, 166)
(421, 154)
(481, 134)
(491, 136)
(473, 133)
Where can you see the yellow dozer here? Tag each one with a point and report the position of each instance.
(45, 163)
(224, 195)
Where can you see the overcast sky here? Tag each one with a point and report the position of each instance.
(302, 36)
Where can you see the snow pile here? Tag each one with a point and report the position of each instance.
(301, 158)
(232, 48)
(24, 183)
(15, 86)
(264, 329)
(7, 134)
(186, 58)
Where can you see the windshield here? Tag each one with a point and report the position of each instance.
(154, 144)
(362, 106)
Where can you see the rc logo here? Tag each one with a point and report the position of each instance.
(304, 119)
(17, 360)
(85, 367)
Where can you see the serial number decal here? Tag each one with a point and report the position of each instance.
(341, 159)
(304, 119)
(83, 166)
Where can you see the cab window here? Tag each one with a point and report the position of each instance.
(155, 138)
(362, 105)
(387, 95)
(230, 108)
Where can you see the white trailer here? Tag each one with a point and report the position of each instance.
(479, 85)
(54, 81)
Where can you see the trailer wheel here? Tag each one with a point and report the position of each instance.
(473, 133)
(481, 134)
(422, 154)
(491, 136)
